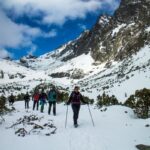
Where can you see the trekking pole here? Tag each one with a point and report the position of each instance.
(66, 117)
(91, 115)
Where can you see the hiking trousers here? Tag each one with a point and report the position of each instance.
(36, 103)
(75, 108)
(26, 104)
(54, 107)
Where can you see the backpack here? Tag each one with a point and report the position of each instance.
(36, 97)
(76, 97)
(52, 95)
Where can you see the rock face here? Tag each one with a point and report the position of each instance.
(115, 37)
(123, 34)
(112, 37)
(143, 147)
(135, 10)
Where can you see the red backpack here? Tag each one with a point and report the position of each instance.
(36, 97)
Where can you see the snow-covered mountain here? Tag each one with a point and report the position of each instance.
(114, 56)
(15, 78)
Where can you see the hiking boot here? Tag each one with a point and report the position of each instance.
(75, 125)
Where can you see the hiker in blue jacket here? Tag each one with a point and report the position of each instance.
(52, 97)
(43, 97)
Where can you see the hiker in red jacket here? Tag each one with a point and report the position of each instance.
(36, 97)
(75, 99)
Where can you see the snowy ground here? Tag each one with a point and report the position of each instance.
(114, 130)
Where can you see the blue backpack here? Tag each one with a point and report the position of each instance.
(52, 96)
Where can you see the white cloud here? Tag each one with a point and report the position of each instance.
(32, 50)
(56, 11)
(51, 33)
(4, 53)
(82, 26)
(15, 35)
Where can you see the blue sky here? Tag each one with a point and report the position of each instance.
(36, 27)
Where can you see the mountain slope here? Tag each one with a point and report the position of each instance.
(120, 78)
(17, 79)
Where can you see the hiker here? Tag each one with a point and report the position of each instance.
(35, 98)
(75, 99)
(27, 99)
(43, 98)
(52, 97)
(11, 99)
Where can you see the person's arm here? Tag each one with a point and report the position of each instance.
(29, 97)
(70, 98)
(82, 99)
(46, 96)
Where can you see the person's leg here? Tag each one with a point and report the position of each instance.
(77, 113)
(10, 103)
(74, 108)
(54, 108)
(37, 105)
(49, 109)
(25, 104)
(42, 106)
(34, 103)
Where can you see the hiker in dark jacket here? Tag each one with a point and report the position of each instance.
(27, 99)
(11, 99)
(35, 98)
(75, 99)
(43, 98)
(52, 97)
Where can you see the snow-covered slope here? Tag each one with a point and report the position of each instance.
(13, 71)
(48, 60)
(115, 129)
(17, 79)
(120, 78)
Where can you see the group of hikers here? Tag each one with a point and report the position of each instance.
(42, 98)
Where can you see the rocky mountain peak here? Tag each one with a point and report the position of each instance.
(112, 37)
(133, 10)
(115, 37)
(103, 20)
